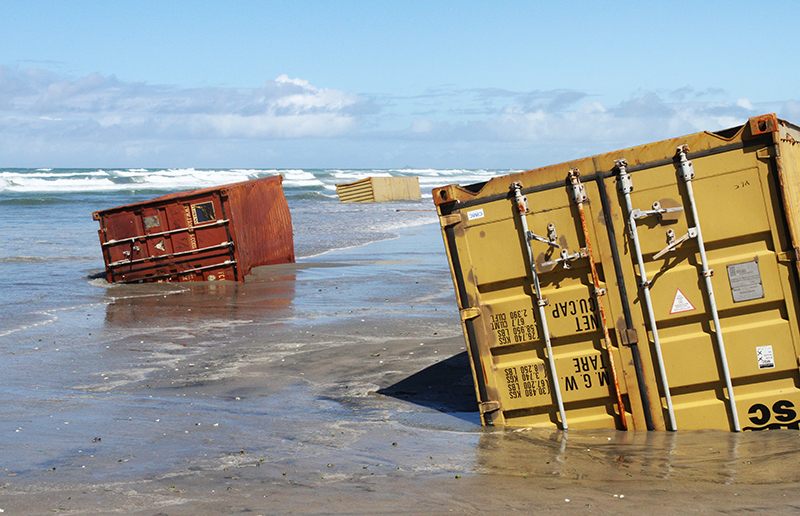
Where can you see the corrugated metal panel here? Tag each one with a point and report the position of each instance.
(378, 189)
(686, 248)
(788, 164)
(358, 191)
(209, 234)
(262, 223)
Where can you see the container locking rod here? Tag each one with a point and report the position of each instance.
(521, 202)
(626, 187)
(579, 196)
(162, 233)
(687, 174)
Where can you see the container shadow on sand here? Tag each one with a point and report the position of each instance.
(445, 386)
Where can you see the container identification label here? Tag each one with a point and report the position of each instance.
(766, 360)
(475, 214)
(745, 280)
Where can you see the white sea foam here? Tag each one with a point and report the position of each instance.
(300, 178)
(186, 177)
(46, 173)
(36, 184)
(177, 179)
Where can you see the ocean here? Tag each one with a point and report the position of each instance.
(49, 245)
(73, 346)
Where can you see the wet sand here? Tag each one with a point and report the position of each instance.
(338, 385)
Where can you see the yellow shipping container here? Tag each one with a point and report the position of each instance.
(378, 189)
(654, 287)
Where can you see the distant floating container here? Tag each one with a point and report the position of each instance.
(217, 233)
(654, 287)
(377, 189)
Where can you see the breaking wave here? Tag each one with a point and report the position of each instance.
(30, 181)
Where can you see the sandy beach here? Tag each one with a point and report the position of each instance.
(337, 385)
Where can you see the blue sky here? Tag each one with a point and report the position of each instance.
(364, 84)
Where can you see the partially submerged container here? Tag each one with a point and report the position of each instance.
(654, 287)
(217, 233)
(378, 189)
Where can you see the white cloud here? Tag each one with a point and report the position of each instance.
(283, 78)
(321, 125)
(51, 120)
(568, 119)
(283, 108)
(421, 125)
(744, 103)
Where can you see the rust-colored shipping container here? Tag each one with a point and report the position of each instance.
(217, 233)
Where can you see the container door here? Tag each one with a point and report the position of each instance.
(210, 233)
(504, 320)
(179, 240)
(716, 291)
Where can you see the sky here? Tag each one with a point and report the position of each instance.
(372, 84)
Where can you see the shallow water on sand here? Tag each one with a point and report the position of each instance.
(344, 371)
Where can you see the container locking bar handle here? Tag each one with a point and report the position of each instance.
(687, 174)
(522, 210)
(673, 242)
(626, 187)
(567, 258)
(579, 196)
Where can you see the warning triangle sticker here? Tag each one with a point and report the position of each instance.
(680, 303)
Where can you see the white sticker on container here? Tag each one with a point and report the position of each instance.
(681, 303)
(475, 214)
(765, 358)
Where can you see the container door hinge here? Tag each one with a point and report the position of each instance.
(450, 220)
(469, 313)
(628, 337)
(489, 406)
(791, 256)
(766, 153)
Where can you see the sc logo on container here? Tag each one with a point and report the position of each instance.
(783, 411)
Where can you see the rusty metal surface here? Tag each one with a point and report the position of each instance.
(579, 196)
(209, 234)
